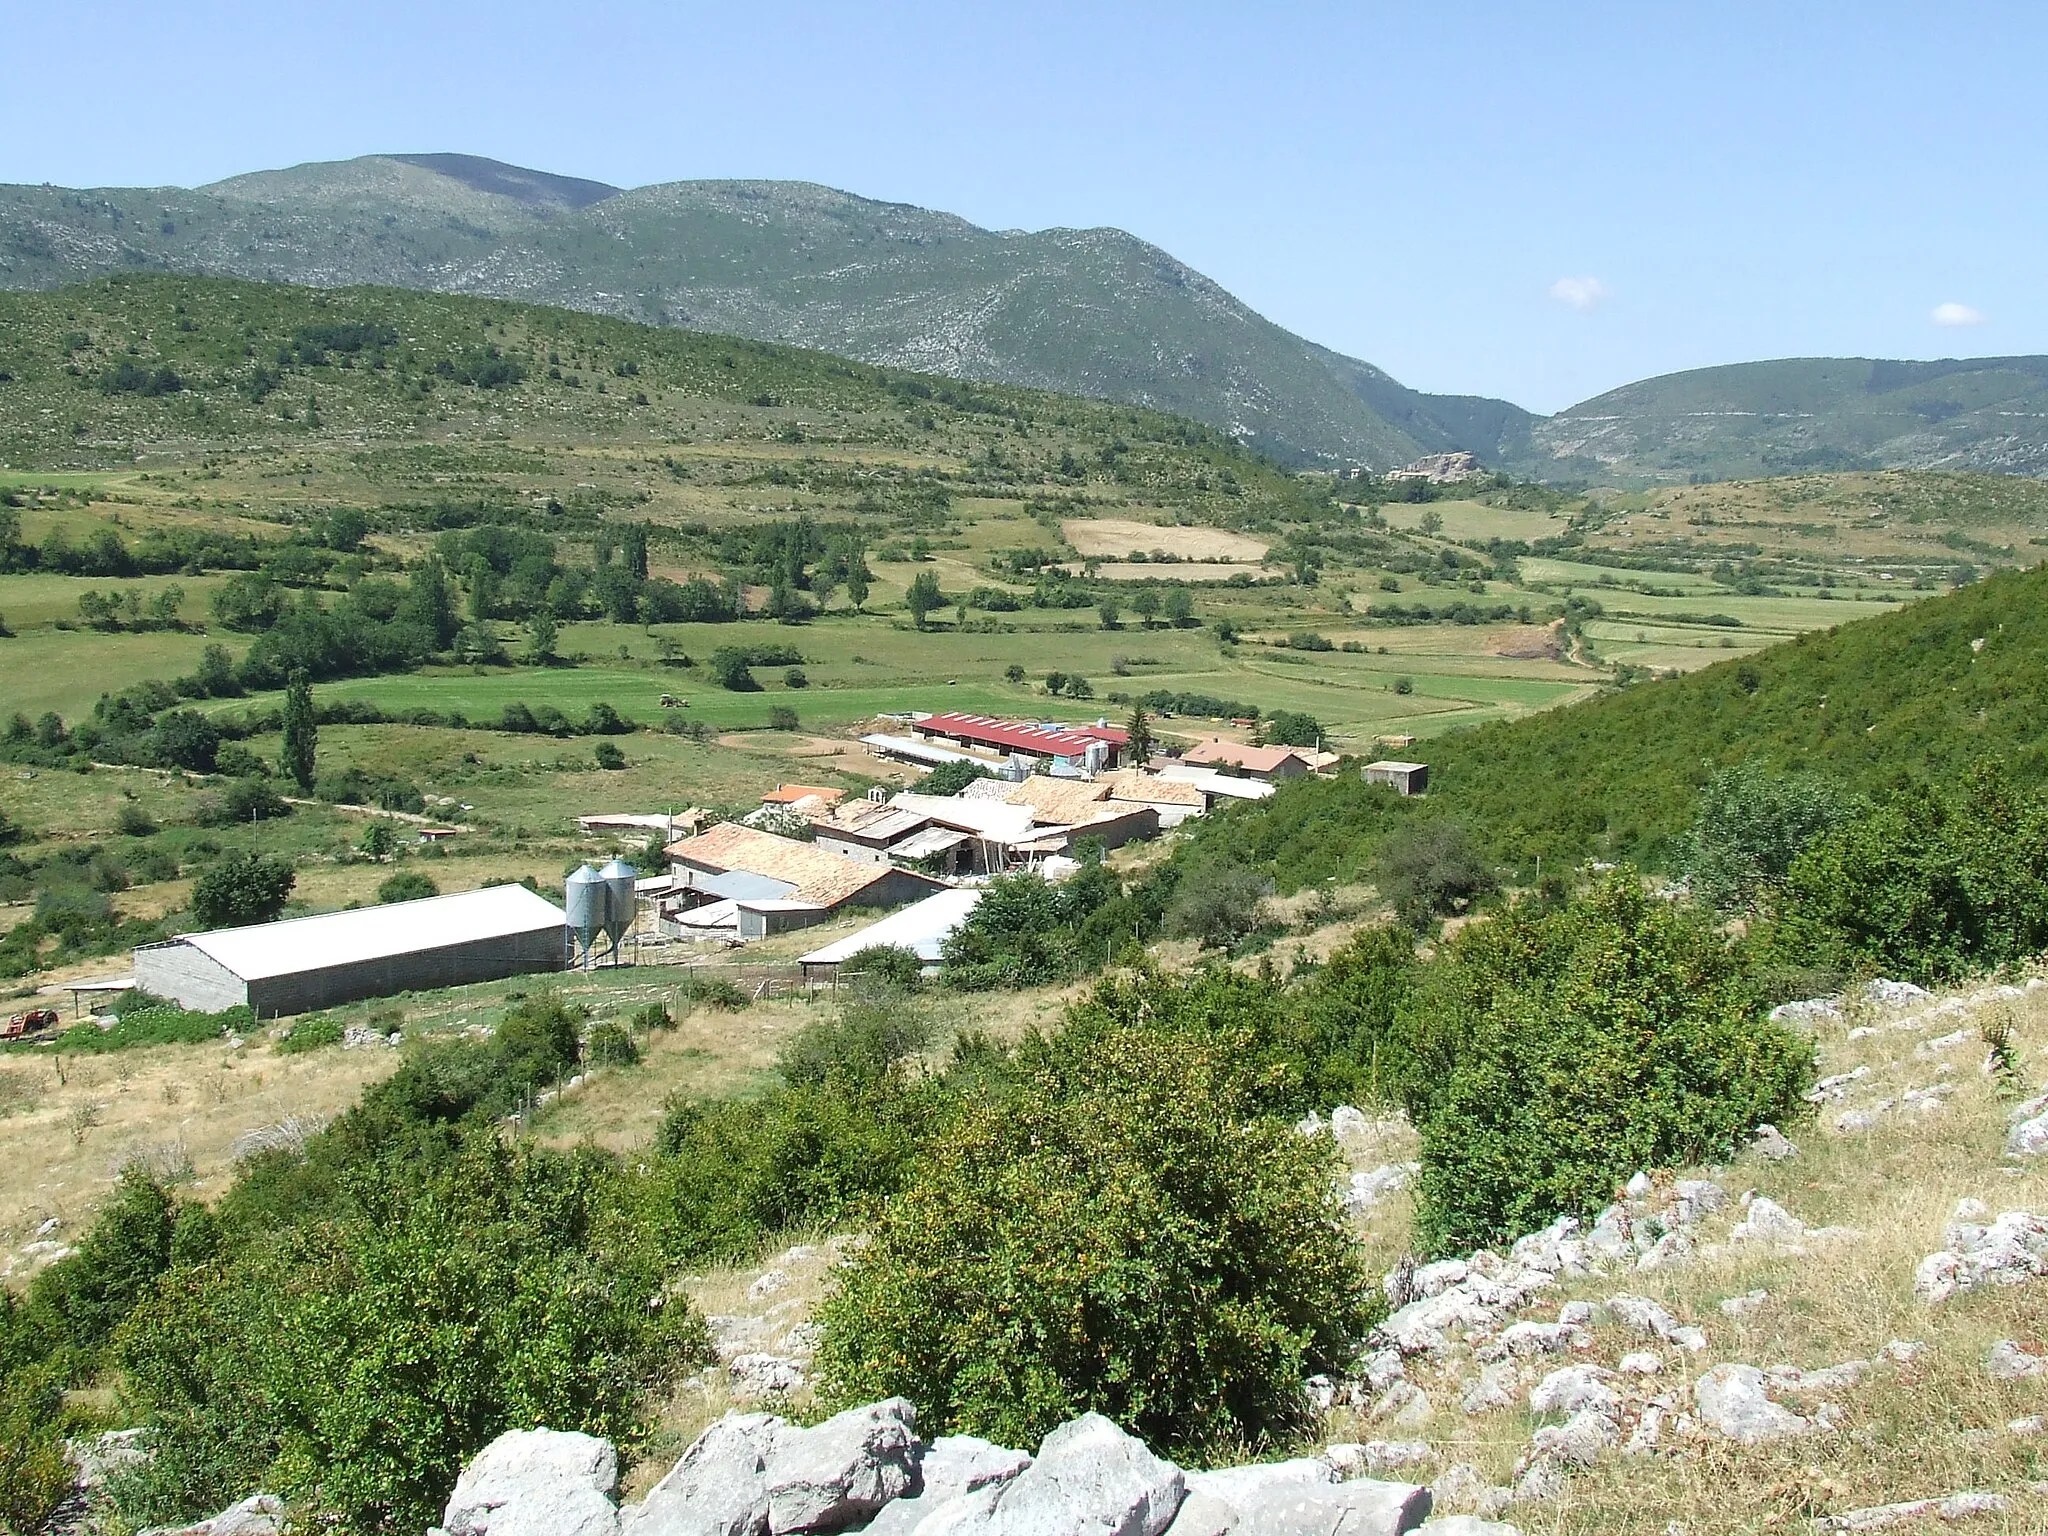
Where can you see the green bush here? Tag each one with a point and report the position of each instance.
(652, 1016)
(713, 992)
(1557, 1049)
(407, 885)
(35, 1475)
(1929, 886)
(159, 1024)
(310, 1034)
(951, 778)
(1219, 905)
(878, 1026)
(891, 963)
(1115, 1228)
(611, 1045)
(1751, 825)
(609, 756)
(1431, 869)
(537, 1041)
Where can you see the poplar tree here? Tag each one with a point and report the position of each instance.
(301, 734)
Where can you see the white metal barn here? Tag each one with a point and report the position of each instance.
(338, 957)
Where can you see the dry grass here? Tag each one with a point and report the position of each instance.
(68, 1125)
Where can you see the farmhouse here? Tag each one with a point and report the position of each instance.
(1407, 778)
(339, 957)
(735, 876)
(794, 796)
(1268, 764)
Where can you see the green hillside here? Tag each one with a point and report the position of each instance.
(1086, 312)
(1923, 693)
(1805, 414)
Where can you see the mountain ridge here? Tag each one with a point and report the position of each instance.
(1089, 311)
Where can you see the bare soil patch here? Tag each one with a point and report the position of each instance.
(1120, 536)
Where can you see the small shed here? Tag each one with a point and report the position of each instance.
(1404, 778)
(922, 928)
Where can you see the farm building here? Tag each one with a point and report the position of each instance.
(922, 928)
(1268, 764)
(1408, 778)
(794, 796)
(1084, 746)
(758, 884)
(339, 957)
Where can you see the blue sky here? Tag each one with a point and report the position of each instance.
(1534, 202)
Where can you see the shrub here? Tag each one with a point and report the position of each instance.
(241, 888)
(1751, 824)
(652, 1016)
(1557, 1049)
(1926, 885)
(611, 1045)
(158, 1023)
(310, 1034)
(608, 756)
(134, 821)
(714, 992)
(877, 1027)
(35, 1474)
(891, 963)
(782, 718)
(244, 801)
(1430, 869)
(1117, 1230)
(407, 885)
(1219, 905)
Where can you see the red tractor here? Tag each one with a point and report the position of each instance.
(21, 1025)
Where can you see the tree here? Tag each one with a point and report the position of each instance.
(1180, 606)
(1750, 826)
(1431, 870)
(633, 550)
(407, 885)
(1014, 672)
(1139, 729)
(951, 778)
(924, 596)
(1291, 728)
(609, 756)
(240, 889)
(1116, 1228)
(217, 673)
(859, 579)
(295, 758)
(1145, 602)
(541, 632)
(378, 841)
(345, 529)
(1107, 611)
(184, 738)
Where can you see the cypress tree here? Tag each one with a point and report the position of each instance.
(301, 734)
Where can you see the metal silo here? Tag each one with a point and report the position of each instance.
(620, 902)
(586, 898)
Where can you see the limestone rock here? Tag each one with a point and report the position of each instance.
(953, 1466)
(1495, 1388)
(261, 1514)
(1465, 1525)
(1770, 1143)
(1731, 1401)
(1089, 1479)
(2006, 1251)
(1768, 1221)
(719, 1487)
(1363, 1508)
(840, 1472)
(536, 1482)
(1957, 1506)
(1571, 1389)
(2008, 1361)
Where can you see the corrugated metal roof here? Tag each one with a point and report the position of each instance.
(376, 933)
(918, 751)
(922, 927)
(984, 818)
(1009, 734)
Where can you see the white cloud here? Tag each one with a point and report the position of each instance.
(1585, 294)
(1956, 314)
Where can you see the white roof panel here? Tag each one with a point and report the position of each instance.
(921, 927)
(377, 933)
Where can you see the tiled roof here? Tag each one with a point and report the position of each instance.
(819, 875)
(1060, 801)
(1150, 789)
(1254, 759)
(789, 794)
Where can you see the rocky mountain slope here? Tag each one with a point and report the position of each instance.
(1083, 311)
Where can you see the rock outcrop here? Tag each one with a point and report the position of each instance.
(758, 1475)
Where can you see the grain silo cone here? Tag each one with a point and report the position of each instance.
(620, 902)
(587, 901)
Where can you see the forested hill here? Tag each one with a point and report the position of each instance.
(1923, 693)
(1093, 312)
